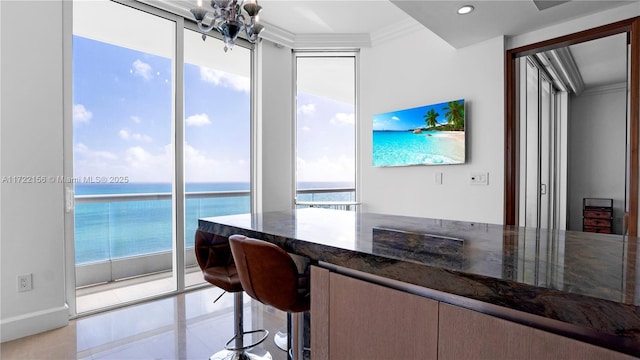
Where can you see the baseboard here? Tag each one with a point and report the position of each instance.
(33, 323)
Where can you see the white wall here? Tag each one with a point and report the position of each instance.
(275, 128)
(418, 70)
(31, 237)
(597, 138)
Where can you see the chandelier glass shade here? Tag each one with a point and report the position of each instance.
(229, 20)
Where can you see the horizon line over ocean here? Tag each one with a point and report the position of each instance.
(165, 187)
(110, 229)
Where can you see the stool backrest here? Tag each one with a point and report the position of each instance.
(212, 250)
(268, 274)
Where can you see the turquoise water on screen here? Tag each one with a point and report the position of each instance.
(111, 230)
(398, 148)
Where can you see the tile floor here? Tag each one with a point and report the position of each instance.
(92, 298)
(185, 326)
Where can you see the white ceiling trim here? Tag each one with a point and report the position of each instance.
(394, 31)
(170, 6)
(317, 41)
(362, 40)
(278, 35)
(605, 89)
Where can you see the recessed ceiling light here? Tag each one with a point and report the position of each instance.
(465, 9)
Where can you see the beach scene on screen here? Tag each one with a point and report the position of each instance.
(426, 135)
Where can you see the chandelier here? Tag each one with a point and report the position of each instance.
(229, 20)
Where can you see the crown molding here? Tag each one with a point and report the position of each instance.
(394, 31)
(317, 41)
(305, 41)
(175, 7)
(278, 35)
(605, 89)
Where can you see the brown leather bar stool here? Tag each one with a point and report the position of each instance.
(216, 262)
(269, 275)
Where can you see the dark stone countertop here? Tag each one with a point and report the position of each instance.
(584, 279)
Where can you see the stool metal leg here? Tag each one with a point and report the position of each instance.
(280, 339)
(239, 351)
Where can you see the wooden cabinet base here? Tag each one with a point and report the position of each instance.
(467, 334)
(369, 321)
(357, 319)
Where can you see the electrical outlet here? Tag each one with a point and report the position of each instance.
(479, 178)
(25, 282)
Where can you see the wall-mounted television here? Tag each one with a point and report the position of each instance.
(426, 135)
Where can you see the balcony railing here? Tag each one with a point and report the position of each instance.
(120, 236)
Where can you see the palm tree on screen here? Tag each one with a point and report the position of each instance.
(430, 118)
(455, 114)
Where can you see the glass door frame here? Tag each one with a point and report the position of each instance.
(310, 53)
(178, 181)
(511, 134)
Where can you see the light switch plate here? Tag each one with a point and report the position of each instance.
(479, 178)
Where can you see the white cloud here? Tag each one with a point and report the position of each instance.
(126, 135)
(84, 150)
(143, 165)
(135, 119)
(142, 137)
(137, 155)
(201, 167)
(198, 120)
(142, 69)
(395, 118)
(306, 128)
(81, 114)
(154, 164)
(343, 118)
(307, 109)
(217, 77)
(340, 168)
(136, 163)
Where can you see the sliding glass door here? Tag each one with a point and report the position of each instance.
(161, 137)
(540, 148)
(123, 115)
(217, 125)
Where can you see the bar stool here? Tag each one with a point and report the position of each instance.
(269, 275)
(216, 262)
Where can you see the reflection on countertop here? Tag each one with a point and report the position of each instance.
(585, 279)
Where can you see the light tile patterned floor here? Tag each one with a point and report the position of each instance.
(185, 326)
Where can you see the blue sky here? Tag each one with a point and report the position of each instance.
(408, 118)
(123, 114)
(326, 139)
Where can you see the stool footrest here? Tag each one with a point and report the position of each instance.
(228, 346)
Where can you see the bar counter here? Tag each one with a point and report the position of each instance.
(586, 281)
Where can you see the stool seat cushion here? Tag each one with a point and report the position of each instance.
(224, 277)
(269, 274)
(216, 261)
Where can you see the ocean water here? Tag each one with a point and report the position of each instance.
(111, 230)
(397, 148)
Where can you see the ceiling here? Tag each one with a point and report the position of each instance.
(495, 18)
(373, 18)
(602, 62)
(490, 18)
